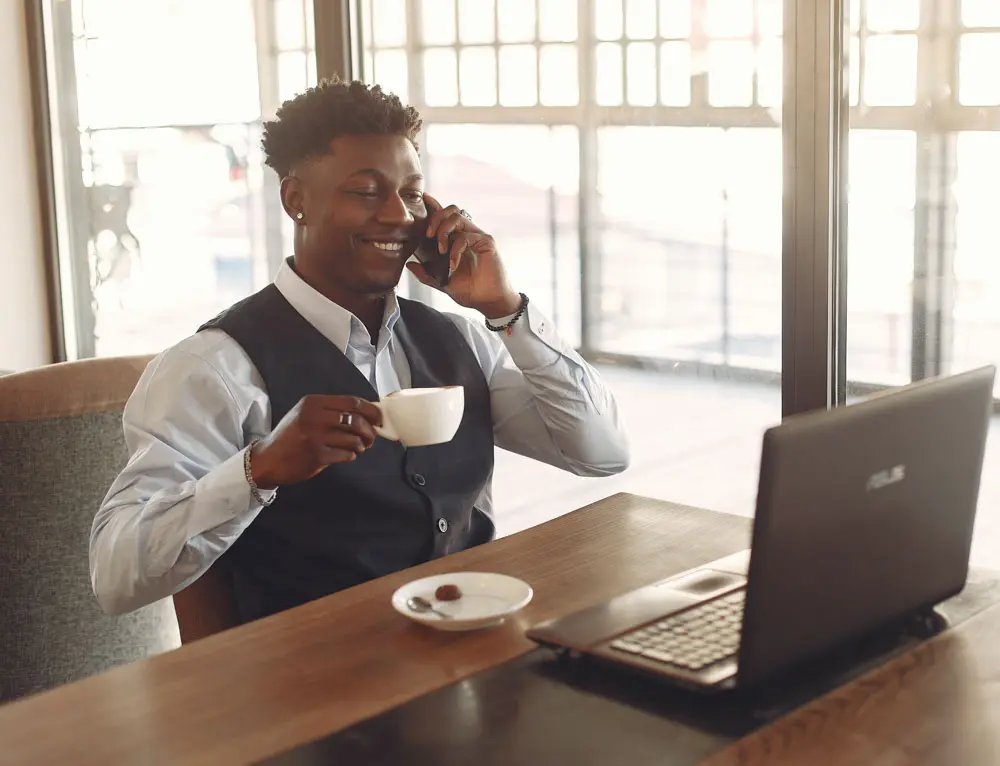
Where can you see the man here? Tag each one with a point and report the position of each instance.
(316, 503)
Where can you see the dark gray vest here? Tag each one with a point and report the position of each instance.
(389, 509)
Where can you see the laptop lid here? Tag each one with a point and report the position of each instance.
(864, 513)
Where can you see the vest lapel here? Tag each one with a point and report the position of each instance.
(317, 348)
(429, 365)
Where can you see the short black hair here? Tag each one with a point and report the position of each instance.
(305, 125)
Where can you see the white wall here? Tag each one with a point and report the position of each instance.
(24, 335)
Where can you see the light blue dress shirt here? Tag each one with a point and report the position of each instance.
(183, 497)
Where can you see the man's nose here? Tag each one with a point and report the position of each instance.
(394, 210)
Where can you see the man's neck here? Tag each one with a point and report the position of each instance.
(369, 308)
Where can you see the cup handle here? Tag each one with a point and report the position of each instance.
(386, 431)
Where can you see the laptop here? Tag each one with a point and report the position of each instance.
(864, 516)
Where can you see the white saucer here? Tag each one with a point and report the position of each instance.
(487, 600)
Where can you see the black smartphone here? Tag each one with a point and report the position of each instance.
(436, 264)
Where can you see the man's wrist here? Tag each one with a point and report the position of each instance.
(259, 476)
(503, 307)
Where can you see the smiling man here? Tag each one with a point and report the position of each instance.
(252, 442)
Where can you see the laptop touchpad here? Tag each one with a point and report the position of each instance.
(704, 583)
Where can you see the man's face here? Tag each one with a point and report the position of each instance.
(363, 212)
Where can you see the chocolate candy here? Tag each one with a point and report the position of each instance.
(448, 593)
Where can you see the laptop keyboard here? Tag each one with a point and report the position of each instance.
(692, 639)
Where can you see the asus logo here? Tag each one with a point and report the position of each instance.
(886, 478)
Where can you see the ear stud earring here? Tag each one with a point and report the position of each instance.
(299, 216)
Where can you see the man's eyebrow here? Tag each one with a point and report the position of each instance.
(377, 172)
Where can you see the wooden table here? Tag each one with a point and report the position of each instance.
(267, 687)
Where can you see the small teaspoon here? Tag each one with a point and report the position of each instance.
(420, 604)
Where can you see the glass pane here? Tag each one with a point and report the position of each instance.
(478, 76)
(641, 72)
(770, 18)
(177, 221)
(522, 183)
(171, 214)
(289, 24)
(730, 73)
(708, 179)
(890, 77)
(475, 21)
(100, 19)
(855, 14)
(311, 69)
(292, 75)
(517, 21)
(640, 19)
(437, 22)
(980, 13)
(893, 15)
(215, 81)
(769, 72)
(559, 86)
(368, 66)
(440, 77)
(78, 14)
(388, 23)
(729, 18)
(882, 169)
(976, 314)
(608, 20)
(882, 183)
(518, 75)
(609, 74)
(697, 213)
(557, 21)
(391, 72)
(979, 70)
(675, 18)
(675, 74)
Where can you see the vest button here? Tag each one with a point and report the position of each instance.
(418, 479)
(442, 525)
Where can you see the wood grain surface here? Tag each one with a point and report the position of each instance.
(936, 705)
(258, 690)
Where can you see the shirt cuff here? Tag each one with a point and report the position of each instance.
(533, 342)
(225, 494)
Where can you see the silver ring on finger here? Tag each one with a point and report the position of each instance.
(465, 214)
(346, 418)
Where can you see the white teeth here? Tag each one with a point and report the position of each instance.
(391, 247)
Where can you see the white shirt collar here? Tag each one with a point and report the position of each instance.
(335, 323)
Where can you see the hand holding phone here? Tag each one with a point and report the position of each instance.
(435, 263)
(428, 252)
(470, 270)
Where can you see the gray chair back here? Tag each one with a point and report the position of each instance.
(61, 447)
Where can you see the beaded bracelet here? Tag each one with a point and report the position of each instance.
(508, 328)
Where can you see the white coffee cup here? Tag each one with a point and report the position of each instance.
(417, 417)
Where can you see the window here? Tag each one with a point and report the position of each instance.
(628, 156)
(665, 153)
(921, 285)
(923, 295)
(170, 215)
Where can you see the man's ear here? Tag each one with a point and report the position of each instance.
(292, 198)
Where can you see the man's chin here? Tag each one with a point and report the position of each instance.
(379, 285)
(380, 275)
